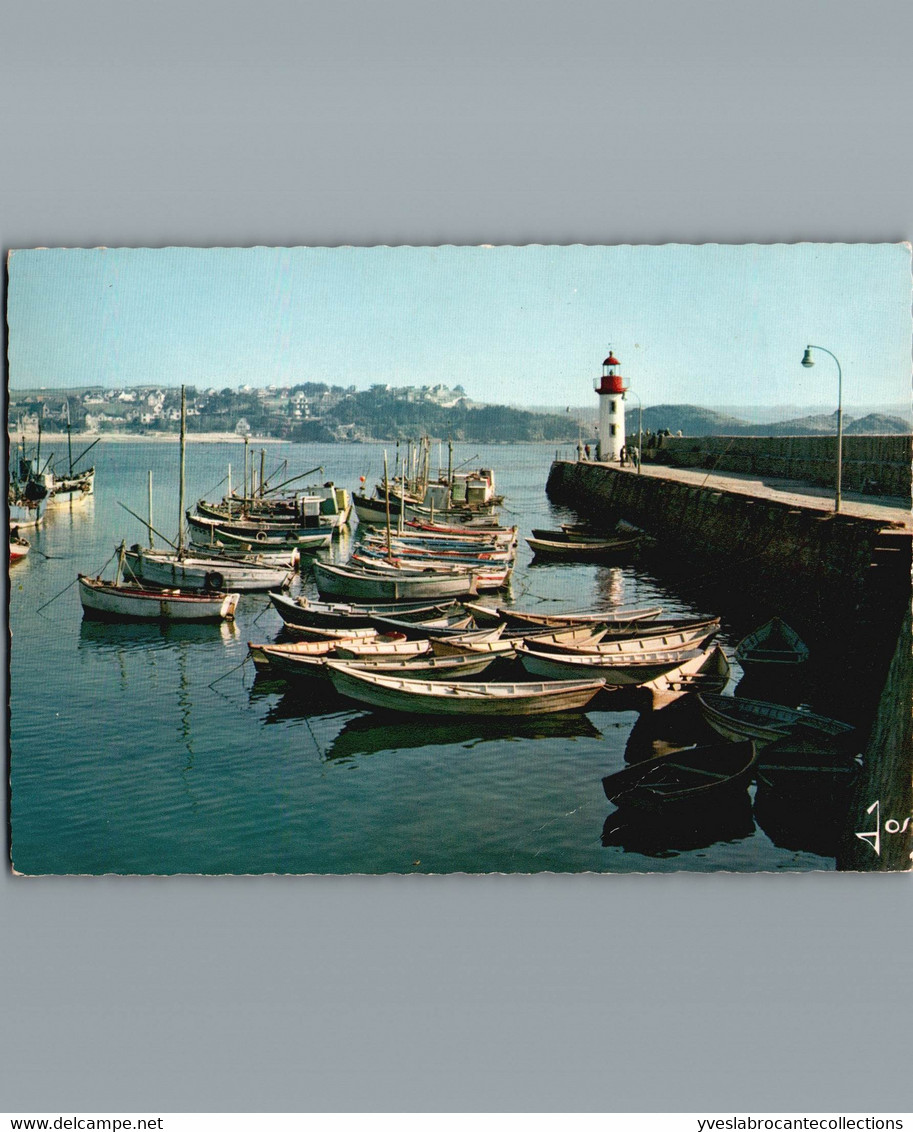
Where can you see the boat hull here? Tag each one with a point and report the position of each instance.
(124, 602)
(421, 697)
(336, 582)
(202, 573)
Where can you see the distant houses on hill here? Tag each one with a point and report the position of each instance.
(315, 411)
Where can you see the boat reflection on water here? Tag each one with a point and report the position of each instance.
(302, 699)
(810, 825)
(667, 835)
(671, 728)
(386, 731)
(804, 786)
(787, 688)
(125, 635)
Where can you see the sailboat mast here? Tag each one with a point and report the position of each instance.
(387, 500)
(69, 438)
(151, 543)
(181, 490)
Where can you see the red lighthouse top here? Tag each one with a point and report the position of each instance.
(611, 380)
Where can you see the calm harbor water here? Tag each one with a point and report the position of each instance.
(140, 749)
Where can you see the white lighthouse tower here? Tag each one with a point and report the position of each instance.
(611, 390)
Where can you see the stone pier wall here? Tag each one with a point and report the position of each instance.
(880, 464)
(811, 559)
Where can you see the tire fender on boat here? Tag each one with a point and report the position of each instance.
(214, 580)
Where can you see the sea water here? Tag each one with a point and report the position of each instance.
(156, 750)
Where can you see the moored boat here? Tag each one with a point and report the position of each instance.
(709, 671)
(619, 670)
(737, 718)
(688, 777)
(442, 698)
(194, 571)
(565, 620)
(772, 647)
(19, 547)
(583, 550)
(123, 601)
(372, 585)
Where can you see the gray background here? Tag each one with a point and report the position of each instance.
(351, 122)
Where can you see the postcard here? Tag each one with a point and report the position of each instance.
(460, 559)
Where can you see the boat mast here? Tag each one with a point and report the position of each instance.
(151, 543)
(181, 490)
(387, 502)
(246, 443)
(228, 497)
(69, 438)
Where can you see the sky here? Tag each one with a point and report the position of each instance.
(707, 324)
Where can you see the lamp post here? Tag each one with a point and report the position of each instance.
(808, 363)
(640, 428)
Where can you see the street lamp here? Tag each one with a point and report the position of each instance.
(640, 427)
(808, 363)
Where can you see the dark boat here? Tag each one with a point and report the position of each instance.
(773, 646)
(352, 615)
(682, 778)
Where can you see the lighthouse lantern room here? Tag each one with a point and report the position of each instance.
(611, 389)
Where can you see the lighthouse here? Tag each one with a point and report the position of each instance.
(611, 390)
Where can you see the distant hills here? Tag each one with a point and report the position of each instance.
(693, 420)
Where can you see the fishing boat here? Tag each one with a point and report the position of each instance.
(336, 615)
(709, 671)
(24, 514)
(773, 647)
(304, 542)
(682, 778)
(460, 626)
(808, 767)
(275, 655)
(257, 554)
(619, 670)
(374, 585)
(666, 643)
(258, 530)
(120, 600)
(464, 645)
(388, 646)
(736, 718)
(19, 547)
(426, 697)
(179, 568)
(583, 550)
(187, 570)
(417, 667)
(566, 620)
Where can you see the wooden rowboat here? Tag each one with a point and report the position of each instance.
(342, 581)
(566, 620)
(620, 670)
(682, 778)
(773, 646)
(737, 718)
(709, 671)
(333, 615)
(669, 643)
(130, 601)
(582, 550)
(425, 697)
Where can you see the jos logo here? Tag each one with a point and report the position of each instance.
(891, 826)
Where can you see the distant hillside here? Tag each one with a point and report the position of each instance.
(693, 420)
(878, 424)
